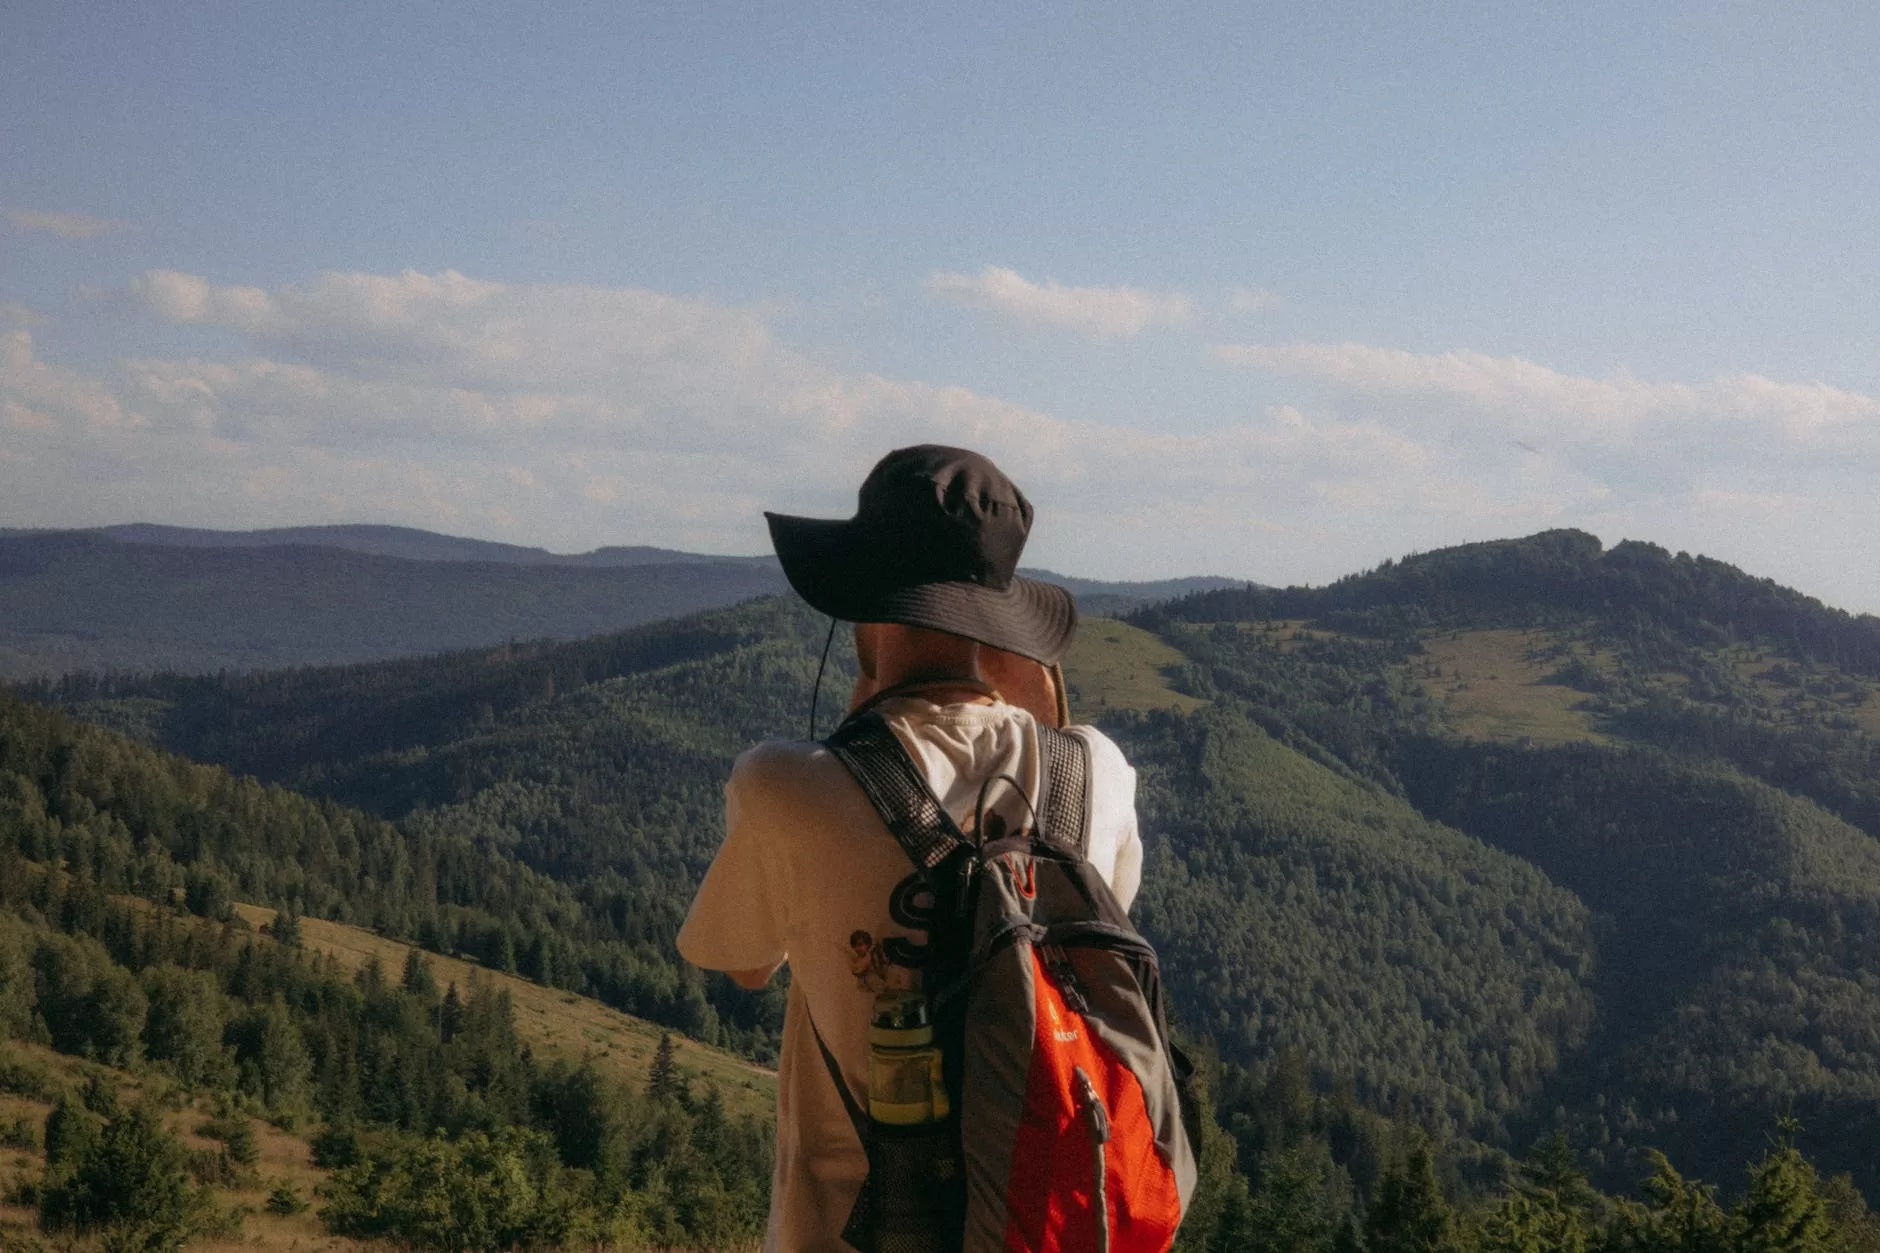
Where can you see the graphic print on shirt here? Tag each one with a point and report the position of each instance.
(875, 970)
(893, 963)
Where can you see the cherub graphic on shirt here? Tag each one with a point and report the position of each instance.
(875, 972)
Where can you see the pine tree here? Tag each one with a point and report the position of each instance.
(417, 978)
(1785, 1211)
(1860, 1226)
(286, 928)
(450, 1015)
(1408, 1213)
(1678, 1216)
(1551, 1210)
(1288, 1209)
(127, 1179)
(662, 1081)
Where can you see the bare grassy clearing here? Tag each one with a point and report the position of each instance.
(1495, 686)
(1117, 666)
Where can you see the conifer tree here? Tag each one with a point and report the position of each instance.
(417, 978)
(1785, 1211)
(127, 1180)
(1678, 1216)
(1288, 1211)
(1409, 1214)
(1860, 1226)
(286, 928)
(663, 1080)
(1552, 1208)
(450, 1014)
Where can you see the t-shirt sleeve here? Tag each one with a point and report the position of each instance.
(739, 919)
(1113, 815)
(1127, 878)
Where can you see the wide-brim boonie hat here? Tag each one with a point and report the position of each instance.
(934, 543)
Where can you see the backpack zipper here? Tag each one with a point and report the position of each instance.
(1097, 1120)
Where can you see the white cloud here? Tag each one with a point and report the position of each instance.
(586, 416)
(66, 225)
(1773, 475)
(1656, 436)
(1514, 387)
(1103, 312)
(575, 416)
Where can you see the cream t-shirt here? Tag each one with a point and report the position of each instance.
(808, 873)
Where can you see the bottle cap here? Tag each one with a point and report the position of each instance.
(900, 1021)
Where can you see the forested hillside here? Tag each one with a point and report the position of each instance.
(119, 944)
(1562, 576)
(1646, 919)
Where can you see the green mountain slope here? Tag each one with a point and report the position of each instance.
(120, 944)
(1680, 745)
(151, 824)
(1295, 908)
(1740, 927)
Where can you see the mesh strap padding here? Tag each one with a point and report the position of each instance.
(894, 785)
(1066, 816)
(897, 789)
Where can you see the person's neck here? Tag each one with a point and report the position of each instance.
(941, 689)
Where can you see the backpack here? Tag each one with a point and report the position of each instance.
(1071, 1127)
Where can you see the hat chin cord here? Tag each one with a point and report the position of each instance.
(815, 694)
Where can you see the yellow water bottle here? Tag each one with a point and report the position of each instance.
(906, 1077)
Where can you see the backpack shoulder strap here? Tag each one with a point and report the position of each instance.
(874, 755)
(1066, 817)
(871, 752)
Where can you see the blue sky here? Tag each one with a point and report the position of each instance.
(1273, 292)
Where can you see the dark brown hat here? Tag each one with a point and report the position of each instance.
(934, 543)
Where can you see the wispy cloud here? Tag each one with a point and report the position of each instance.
(1102, 312)
(66, 225)
(1661, 432)
(573, 416)
(588, 415)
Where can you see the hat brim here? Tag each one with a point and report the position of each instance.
(836, 567)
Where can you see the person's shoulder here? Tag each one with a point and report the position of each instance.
(779, 766)
(1104, 753)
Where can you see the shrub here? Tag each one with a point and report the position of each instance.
(236, 1133)
(285, 1201)
(481, 1192)
(19, 1077)
(337, 1146)
(211, 1168)
(127, 1179)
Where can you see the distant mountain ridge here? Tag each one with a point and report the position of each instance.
(412, 544)
(143, 597)
(1560, 575)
